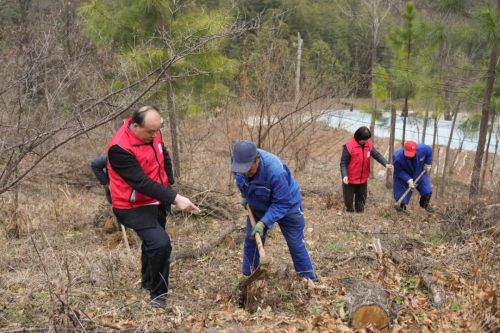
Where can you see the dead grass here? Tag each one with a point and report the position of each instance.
(63, 272)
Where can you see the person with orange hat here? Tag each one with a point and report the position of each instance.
(409, 163)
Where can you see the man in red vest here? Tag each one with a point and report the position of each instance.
(139, 167)
(355, 168)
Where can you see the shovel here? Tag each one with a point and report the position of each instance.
(397, 205)
(264, 262)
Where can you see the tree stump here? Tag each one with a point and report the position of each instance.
(368, 303)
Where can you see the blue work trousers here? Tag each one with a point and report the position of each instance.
(292, 228)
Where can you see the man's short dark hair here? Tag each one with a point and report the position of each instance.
(139, 115)
(362, 133)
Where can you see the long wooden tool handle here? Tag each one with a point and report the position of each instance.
(409, 188)
(125, 239)
(257, 235)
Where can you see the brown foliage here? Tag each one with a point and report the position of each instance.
(461, 220)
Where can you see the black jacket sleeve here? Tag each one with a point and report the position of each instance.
(127, 167)
(98, 165)
(378, 157)
(168, 167)
(344, 162)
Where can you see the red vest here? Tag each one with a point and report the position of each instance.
(359, 165)
(149, 156)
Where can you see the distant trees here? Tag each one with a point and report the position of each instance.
(63, 89)
(271, 116)
(180, 37)
(64, 74)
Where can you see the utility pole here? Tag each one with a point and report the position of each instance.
(243, 74)
(297, 74)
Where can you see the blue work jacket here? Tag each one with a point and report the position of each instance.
(406, 169)
(272, 193)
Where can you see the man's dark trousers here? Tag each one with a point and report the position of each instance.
(155, 256)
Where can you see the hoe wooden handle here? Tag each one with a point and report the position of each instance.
(410, 189)
(257, 235)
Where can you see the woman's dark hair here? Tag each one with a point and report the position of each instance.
(362, 133)
(139, 115)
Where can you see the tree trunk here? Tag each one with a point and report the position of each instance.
(494, 158)
(170, 103)
(485, 116)
(356, 70)
(454, 163)
(405, 108)
(448, 148)
(426, 120)
(367, 303)
(485, 166)
(405, 115)
(374, 64)
(243, 74)
(434, 138)
(388, 179)
(372, 129)
(173, 127)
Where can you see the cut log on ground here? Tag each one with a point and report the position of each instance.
(368, 303)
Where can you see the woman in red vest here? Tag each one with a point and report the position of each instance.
(355, 168)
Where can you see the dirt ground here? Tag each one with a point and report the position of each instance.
(62, 272)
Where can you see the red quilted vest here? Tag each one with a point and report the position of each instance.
(359, 165)
(150, 157)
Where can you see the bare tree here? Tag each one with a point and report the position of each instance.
(377, 11)
(392, 139)
(78, 97)
(485, 116)
(448, 149)
(485, 166)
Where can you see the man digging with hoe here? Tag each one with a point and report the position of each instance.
(268, 188)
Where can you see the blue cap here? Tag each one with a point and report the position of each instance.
(244, 154)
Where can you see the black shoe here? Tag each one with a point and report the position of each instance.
(158, 302)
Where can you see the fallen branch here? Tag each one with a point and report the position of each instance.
(437, 293)
(371, 232)
(205, 249)
(366, 255)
